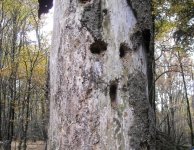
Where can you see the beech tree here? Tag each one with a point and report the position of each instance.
(101, 75)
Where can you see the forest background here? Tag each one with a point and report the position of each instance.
(24, 76)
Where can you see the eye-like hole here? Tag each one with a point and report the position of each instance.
(84, 1)
(124, 48)
(105, 11)
(98, 46)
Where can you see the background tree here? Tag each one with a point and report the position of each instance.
(174, 38)
(23, 73)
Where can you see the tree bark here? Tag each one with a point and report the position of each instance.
(98, 76)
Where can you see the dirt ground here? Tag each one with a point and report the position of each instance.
(38, 145)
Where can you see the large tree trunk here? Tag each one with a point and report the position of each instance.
(98, 76)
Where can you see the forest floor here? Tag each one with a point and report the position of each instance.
(38, 145)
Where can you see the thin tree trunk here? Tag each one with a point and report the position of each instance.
(187, 100)
(27, 116)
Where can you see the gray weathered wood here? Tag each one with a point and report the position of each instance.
(98, 80)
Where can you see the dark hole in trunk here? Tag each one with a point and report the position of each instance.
(98, 47)
(124, 48)
(113, 94)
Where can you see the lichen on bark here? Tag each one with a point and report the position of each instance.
(142, 12)
(142, 130)
(144, 25)
(92, 19)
